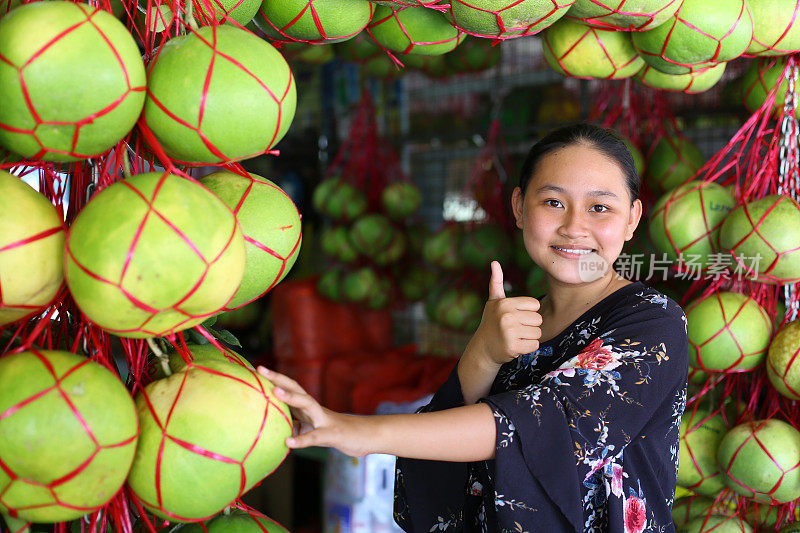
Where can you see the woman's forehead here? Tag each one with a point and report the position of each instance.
(578, 168)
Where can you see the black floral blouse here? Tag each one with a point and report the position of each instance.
(587, 432)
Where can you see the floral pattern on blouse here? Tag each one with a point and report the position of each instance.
(587, 432)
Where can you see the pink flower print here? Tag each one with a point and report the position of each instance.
(595, 356)
(616, 480)
(635, 516)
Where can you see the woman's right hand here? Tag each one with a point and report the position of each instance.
(509, 327)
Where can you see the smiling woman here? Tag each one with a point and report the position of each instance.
(564, 414)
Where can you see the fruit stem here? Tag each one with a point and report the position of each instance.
(126, 163)
(163, 358)
(189, 18)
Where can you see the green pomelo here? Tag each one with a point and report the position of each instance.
(761, 516)
(776, 27)
(415, 30)
(761, 461)
(688, 508)
(636, 154)
(690, 83)
(728, 331)
(698, 470)
(506, 18)
(461, 309)
(760, 78)
(625, 15)
(43, 46)
(443, 248)
(791, 528)
(319, 198)
(329, 284)
(401, 3)
(381, 295)
(360, 285)
(579, 51)
(31, 250)
(142, 263)
(209, 11)
(416, 282)
(335, 242)
(317, 21)
(372, 234)
(765, 234)
(216, 428)
(393, 252)
(686, 221)
(232, 96)
(271, 227)
(673, 161)
(484, 244)
(783, 361)
(401, 199)
(716, 524)
(237, 521)
(382, 67)
(431, 66)
(68, 434)
(473, 55)
(199, 353)
(701, 34)
(340, 200)
(439, 296)
(8, 5)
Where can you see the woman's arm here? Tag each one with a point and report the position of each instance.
(462, 434)
(509, 327)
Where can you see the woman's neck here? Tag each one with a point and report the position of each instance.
(569, 300)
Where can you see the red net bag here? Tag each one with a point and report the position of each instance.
(60, 339)
(505, 19)
(313, 22)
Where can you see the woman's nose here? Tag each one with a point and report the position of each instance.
(574, 224)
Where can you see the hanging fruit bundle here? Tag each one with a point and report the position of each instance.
(122, 248)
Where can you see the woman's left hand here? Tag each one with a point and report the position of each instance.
(318, 426)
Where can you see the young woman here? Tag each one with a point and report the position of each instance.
(564, 414)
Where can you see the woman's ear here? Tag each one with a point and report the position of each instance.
(633, 218)
(517, 199)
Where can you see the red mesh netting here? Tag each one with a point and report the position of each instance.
(46, 149)
(69, 187)
(623, 18)
(508, 26)
(751, 164)
(572, 64)
(284, 33)
(394, 18)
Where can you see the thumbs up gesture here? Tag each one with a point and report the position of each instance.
(509, 327)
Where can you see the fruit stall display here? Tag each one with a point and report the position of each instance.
(116, 393)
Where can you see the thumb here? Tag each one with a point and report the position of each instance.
(496, 290)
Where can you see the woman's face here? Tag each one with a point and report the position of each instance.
(576, 214)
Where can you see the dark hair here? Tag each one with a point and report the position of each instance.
(603, 140)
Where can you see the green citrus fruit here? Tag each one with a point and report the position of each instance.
(764, 234)
(152, 255)
(237, 521)
(783, 361)
(506, 18)
(31, 250)
(776, 27)
(209, 433)
(579, 51)
(690, 83)
(314, 21)
(701, 433)
(687, 220)
(68, 434)
(218, 95)
(673, 161)
(760, 459)
(701, 34)
(47, 45)
(415, 30)
(271, 227)
(625, 15)
(728, 331)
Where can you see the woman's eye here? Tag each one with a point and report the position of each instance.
(599, 208)
(552, 203)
